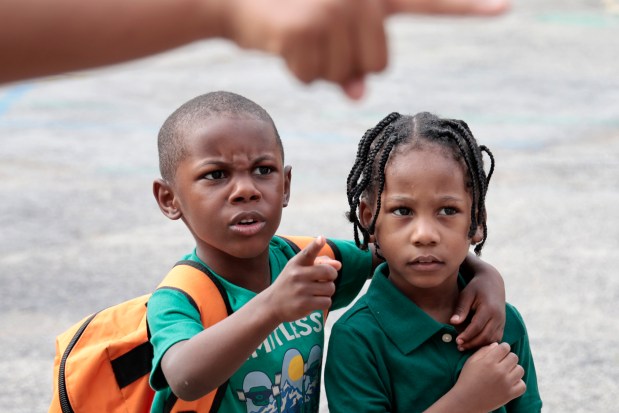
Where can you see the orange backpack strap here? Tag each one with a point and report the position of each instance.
(205, 292)
(297, 243)
(202, 288)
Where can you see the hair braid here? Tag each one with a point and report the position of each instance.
(360, 177)
(390, 142)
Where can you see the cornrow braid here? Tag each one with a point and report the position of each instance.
(360, 175)
(367, 176)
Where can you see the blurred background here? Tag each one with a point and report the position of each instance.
(80, 229)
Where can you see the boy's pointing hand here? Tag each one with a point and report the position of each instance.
(306, 284)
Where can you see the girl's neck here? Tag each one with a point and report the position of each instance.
(438, 302)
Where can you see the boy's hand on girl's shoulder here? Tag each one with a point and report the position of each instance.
(486, 323)
(482, 304)
(306, 284)
(490, 378)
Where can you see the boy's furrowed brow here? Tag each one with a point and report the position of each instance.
(266, 158)
(221, 162)
(211, 162)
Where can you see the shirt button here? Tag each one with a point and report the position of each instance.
(447, 338)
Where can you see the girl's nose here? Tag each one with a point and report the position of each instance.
(424, 232)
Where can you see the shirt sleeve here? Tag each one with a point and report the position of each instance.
(356, 270)
(171, 318)
(530, 401)
(353, 374)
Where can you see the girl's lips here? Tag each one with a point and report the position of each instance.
(426, 263)
(426, 259)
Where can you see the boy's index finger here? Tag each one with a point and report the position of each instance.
(325, 260)
(308, 255)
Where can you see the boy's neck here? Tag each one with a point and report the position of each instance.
(253, 274)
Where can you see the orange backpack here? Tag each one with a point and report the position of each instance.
(103, 362)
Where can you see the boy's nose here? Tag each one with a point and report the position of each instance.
(244, 190)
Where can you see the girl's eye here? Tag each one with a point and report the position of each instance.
(448, 211)
(214, 175)
(263, 170)
(402, 211)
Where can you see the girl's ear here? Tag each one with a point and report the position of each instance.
(366, 213)
(478, 236)
(164, 195)
(287, 180)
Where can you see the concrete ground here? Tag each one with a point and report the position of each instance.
(540, 86)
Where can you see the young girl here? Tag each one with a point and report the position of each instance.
(417, 190)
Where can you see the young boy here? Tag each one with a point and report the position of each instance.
(223, 175)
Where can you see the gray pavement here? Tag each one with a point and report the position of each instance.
(81, 231)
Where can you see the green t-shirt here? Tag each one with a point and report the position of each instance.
(387, 355)
(283, 374)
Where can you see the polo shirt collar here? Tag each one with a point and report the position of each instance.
(406, 325)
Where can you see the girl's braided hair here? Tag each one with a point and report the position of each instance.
(367, 176)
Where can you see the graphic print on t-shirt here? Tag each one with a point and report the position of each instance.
(293, 390)
(259, 393)
(311, 380)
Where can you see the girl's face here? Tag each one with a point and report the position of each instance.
(423, 225)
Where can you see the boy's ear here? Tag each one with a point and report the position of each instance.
(478, 236)
(287, 180)
(164, 195)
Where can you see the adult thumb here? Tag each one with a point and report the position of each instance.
(455, 7)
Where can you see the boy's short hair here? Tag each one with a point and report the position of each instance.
(171, 142)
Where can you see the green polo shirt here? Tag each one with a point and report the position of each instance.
(387, 355)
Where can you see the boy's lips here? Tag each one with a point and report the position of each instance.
(247, 223)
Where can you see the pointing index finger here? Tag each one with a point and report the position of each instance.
(309, 254)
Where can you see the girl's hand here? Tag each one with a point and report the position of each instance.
(489, 379)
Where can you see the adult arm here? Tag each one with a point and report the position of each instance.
(337, 40)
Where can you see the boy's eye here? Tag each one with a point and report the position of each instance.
(214, 175)
(263, 170)
(402, 211)
(448, 211)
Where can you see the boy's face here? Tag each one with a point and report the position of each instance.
(423, 225)
(231, 187)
